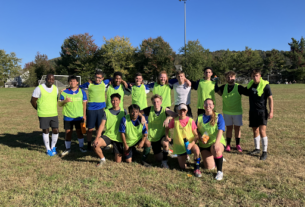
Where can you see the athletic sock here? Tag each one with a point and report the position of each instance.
(197, 164)
(46, 140)
(103, 159)
(228, 141)
(146, 151)
(265, 144)
(218, 163)
(54, 140)
(68, 144)
(165, 154)
(237, 140)
(81, 142)
(257, 142)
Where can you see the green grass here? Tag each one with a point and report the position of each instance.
(29, 178)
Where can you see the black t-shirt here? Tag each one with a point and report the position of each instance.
(241, 90)
(258, 103)
(147, 111)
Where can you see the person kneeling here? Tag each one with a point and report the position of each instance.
(184, 129)
(110, 122)
(211, 126)
(134, 133)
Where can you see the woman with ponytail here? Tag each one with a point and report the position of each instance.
(211, 126)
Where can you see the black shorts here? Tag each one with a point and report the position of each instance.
(47, 122)
(182, 154)
(70, 124)
(117, 146)
(129, 155)
(208, 148)
(200, 111)
(157, 146)
(258, 118)
(94, 118)
(189, 110)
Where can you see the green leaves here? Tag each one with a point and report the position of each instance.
(9, 65)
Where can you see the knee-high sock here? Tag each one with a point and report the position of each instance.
(257, 142)
(197, 164)
(218, 163)
(146, 151)
(46, 140)
(237, 139)
(265, 143)
(165, 154)
(54, 140)
(81, 142)
(228, 141)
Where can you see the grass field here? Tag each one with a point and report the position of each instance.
(30, 178)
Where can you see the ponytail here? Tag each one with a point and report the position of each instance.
(213, 118)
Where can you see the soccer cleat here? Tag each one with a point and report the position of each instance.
(82, 149)
(54, 151)
(50, 153)
(219, 175)
(64, 153)
(145, 164)
(264, 156)
(197, 173)
(255, 152)
(164, 165)
(101, 163)
(228, 148)
(239, 148)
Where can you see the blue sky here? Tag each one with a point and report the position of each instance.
(31, 26)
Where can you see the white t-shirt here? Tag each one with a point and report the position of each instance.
(182, 93)
(37, 92)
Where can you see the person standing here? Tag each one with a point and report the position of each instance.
(118, 85)
(139, 91)
(259, 92)
(73, 100)
(96, 104)
(44, 100)
(205, 89)
(232, 108)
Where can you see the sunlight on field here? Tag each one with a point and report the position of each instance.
(30, 178)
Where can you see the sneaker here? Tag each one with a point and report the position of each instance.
(82, 149)
(228, 148)
(101, 163)
(264, 156)
(67, 151)
(239, 148)
(50, 153)
(54, 151)
(164, 165)
(255, 152)
(197, 173)
(145, 164)
(219, 175)
(174, 156)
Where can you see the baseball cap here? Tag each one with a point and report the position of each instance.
(182, 106)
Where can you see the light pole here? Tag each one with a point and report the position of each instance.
(184, 26)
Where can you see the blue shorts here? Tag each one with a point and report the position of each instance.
(94, 118)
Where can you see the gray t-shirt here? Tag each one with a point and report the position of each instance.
(182, 93)
(114, 112)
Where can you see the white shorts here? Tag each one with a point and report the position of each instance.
(236, 120)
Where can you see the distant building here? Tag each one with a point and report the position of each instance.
(18, 81)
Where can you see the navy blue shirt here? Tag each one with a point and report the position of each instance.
(220, 122)
(95, 105)
(69, 91)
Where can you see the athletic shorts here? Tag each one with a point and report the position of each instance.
(208, 148)
(236, 120)
(200, 111)
(157, 146)
(189, 110)
(94, 118)
(117, 146)
(70, 124)
(47, 122)
(179, 155)
(258, 118)
(129, 155)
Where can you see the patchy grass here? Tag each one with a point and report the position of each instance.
(29, 178)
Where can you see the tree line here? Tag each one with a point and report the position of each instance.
(80, 55)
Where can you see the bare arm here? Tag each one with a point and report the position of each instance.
(188, 82)
(34, 102)
(62, 103)
(171, 113)
(126, 147)
(270, 100)
(143, 141)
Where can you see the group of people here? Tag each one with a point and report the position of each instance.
(149, 126)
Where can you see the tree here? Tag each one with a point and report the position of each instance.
(77, 56)
(117, 54)
(9, 66)
(223, 62)
(274, 62)
(196, 59)
(297, 57)
(154, 56)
